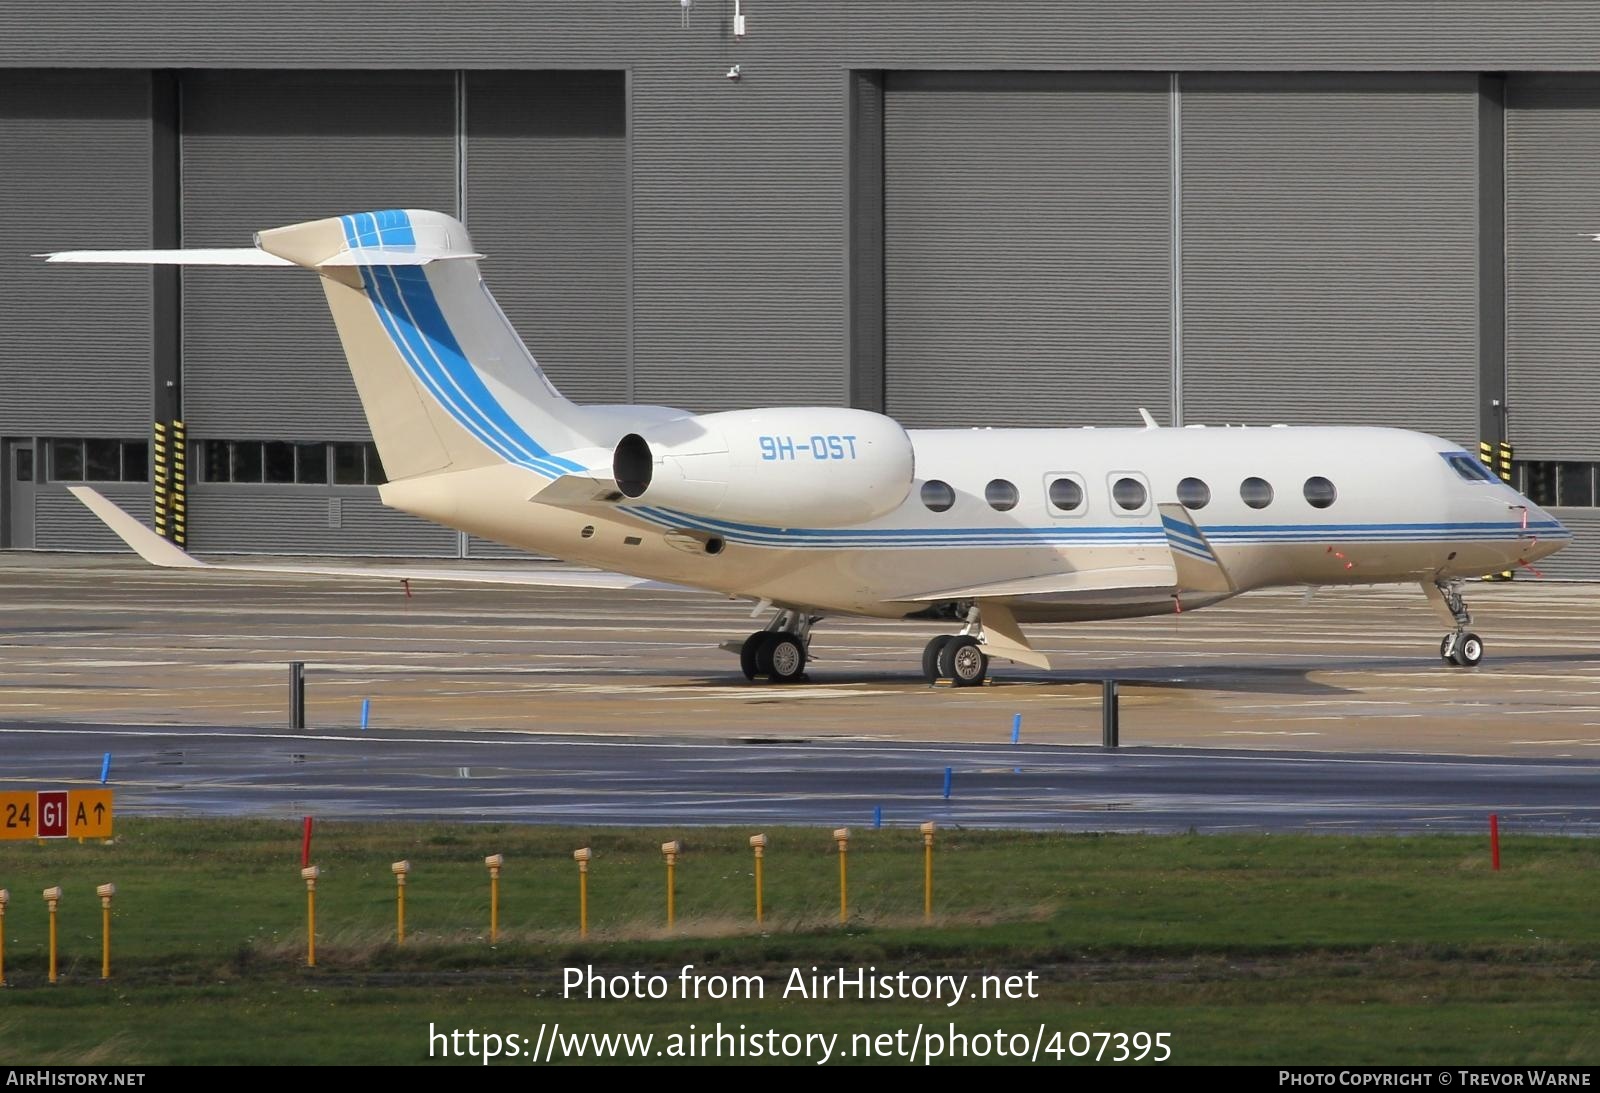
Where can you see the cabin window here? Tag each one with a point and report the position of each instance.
(1001, 495)
(1129, 494)
(1256, 492)
(1066, 495)
(1193, 493)
(937, 495)
(1320, 492)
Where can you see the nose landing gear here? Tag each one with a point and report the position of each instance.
(1461, 646)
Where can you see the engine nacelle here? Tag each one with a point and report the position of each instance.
(795, 467)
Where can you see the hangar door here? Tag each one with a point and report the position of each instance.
(261, 359)
(75, 172)
(1329, 250)
(1027, 270)
(1553, 301)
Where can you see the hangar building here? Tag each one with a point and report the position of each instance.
(1030, 212)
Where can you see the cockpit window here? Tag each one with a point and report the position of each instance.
(1467, 467)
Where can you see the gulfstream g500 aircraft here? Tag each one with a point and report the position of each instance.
(822, 511)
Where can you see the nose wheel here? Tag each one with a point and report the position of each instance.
(1461, 646)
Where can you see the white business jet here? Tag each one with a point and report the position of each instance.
(821, 511)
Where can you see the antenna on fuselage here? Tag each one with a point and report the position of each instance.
(1149, 422)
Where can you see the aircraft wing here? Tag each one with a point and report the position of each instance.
(161, 552)
(1058, 586)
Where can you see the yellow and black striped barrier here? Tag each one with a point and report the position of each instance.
(180, 484)
(1497, 457)
(171, 481)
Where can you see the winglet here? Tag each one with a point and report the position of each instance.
(1199, 568)
(144, 542)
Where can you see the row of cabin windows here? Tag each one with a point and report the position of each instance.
(1129, 494)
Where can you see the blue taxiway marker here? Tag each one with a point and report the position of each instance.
(105, 768)
(366, 713)
(947, 773)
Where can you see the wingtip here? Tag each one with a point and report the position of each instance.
(138, 538)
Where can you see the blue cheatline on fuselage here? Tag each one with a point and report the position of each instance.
(1129, 535)
(405, 304)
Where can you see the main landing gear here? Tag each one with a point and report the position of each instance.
(1460, 647)
(958, 658)
(779, 653)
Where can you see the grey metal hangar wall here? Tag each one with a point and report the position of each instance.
(1018, 213)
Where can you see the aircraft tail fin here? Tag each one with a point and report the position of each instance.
(445, 382)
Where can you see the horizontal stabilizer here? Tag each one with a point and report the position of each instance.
(160, 552)
(210, 256)
(1199, 569)
(255, 256)
(1060, 585)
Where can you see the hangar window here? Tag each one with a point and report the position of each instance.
(284, 462)
(937, 495)
(1320, 492)
(1256, 492)
(1129, 494)
(1193, 493)
(1066, 495)
(1001, 495)
(99, 460)
(1557, 483)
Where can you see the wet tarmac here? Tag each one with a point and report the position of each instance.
(1273, 711)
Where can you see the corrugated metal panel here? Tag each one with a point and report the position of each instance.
(739, 196)
(486, 548)
(1330, 251)
(547, 200)
(74, 172)
(256, 520)
(1027, 234)
(1464, 35)
(60, 521)
(1553, 267)
(1580, 559)
(261, 358)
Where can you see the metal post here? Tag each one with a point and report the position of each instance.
(927, 871)
(310, 874)
(671, 850)
(5, 898)
(842, 837)
(52, 897)
(582, 856)
(400, 869)
(759, 844)
(1108, 713)
(105, 892)
(494, 862)
(297, 695)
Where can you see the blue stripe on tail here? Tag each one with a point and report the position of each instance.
(410, 313)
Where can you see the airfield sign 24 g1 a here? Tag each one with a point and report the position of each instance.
(56, 814)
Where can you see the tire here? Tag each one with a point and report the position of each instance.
(747, 654)
(962, 661)
(781, 658)
(1468, 651)
(930, 656)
